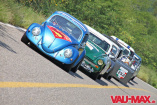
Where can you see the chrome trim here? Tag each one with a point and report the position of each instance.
(91, 63)
(87, 67)
(40, 42)
(51, 42)
(55, 54)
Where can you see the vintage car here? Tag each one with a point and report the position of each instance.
(124, 66)
(96, 60)
(123, 70)
(116, 52)
(61, 37)
(127, 49)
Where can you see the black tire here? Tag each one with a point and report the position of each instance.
(105, 75)
(74, 69)
(24, 39)
(99, 77)
(109, 77)
(67, 68)
(95, 75)
(132, 78)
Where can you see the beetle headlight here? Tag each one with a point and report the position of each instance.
(36, 31)
(100, 62)
(68, 53)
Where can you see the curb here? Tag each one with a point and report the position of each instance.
(146, 83)
(9, 25)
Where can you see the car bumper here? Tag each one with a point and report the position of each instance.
(89, 66)
(59, 55)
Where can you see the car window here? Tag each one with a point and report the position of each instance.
(101, 43)
(125, 52)
(114, 50)
(130, 61)
(85, 38)
(135, 63)
(67, 26)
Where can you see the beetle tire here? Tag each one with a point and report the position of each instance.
(74, 69)
(24, 39)
(67, 67)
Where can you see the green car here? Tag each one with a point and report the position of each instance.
(96, 61)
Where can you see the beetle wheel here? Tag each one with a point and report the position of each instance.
(67, 68)
(74, 69)
(24, 39)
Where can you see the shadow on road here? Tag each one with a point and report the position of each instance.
(134, 81)
(130, 83)
(75, 75)
(4, 33)
(118, 81)
(3, 45)
(118, 86)
(101, 82)
(54, 61)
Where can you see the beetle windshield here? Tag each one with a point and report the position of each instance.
(101, 43)
(67, 26)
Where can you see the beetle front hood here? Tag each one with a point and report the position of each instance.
(55, 39)
(93, 51)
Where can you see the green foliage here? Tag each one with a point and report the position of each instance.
(155, 8)
(16, 14)
(5, 14)
(147, 75)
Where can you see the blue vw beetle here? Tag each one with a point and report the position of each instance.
(61, 37)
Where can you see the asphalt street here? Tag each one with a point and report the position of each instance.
(30, 78)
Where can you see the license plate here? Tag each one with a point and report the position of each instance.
(121, 73)
(87, 66)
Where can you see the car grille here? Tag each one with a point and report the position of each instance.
(88, 58)
(91, 63)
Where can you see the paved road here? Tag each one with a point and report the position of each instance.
(29, 78)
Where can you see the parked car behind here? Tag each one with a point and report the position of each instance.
(123, 71)
(61, 37)
(116, 52)
(96, 60)
(124, 66)
(128, 50)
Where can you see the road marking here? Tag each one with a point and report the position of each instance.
(59, 85)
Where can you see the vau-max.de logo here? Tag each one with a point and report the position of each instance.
(132, 99)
